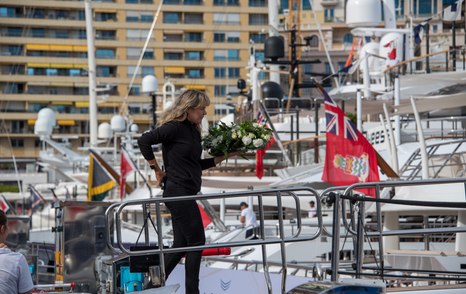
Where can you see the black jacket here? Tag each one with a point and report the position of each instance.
(181, 152)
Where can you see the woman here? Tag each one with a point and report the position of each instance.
(179, 132)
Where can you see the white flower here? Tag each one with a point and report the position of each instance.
(266, 137)
(251, 135)
(256, 125)
(246, 140)
(219, 138)
(233, 135)
(258, 143)
(214, 142)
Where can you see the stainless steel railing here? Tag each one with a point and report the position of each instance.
(282, 239)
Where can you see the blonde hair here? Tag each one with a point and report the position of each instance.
(178, 110)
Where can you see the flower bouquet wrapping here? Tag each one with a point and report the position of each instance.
(223, 139)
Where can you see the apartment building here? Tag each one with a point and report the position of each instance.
(196, 44)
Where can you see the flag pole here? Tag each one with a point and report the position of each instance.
(275, 134)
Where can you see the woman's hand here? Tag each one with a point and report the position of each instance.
(159, 176)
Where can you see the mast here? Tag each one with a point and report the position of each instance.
(92, 75)
(273, 31)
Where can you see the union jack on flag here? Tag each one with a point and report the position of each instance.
(261, 119)
(335, 120)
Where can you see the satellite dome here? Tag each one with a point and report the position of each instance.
(134, 128)
(47, 115)
(274, 48)
(118, 123)
(43, 127)
(272, 90)
(104, 131)
(363, 13)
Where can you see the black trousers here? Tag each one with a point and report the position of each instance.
(187, 231)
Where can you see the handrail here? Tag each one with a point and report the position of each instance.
(378, 186)
(282, 239)
(107, 227)
(414, 59)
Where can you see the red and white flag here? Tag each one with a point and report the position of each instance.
(126, 166)
(262, 120)
(349, 157)
(4, 205)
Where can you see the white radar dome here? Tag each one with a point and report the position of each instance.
(118, 123)
(363, 13)
(134, 128)
(47, 115)
(42, 127)
(149, 84)
(104, 131)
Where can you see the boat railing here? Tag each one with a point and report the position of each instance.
(432, 62)
(441, 156)
(116, 210)
(357, 227)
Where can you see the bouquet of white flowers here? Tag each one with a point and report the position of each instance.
(223, 139)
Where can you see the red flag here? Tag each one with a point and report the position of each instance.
(349, 60)
(349, 157)
(126, 166)
(262, 120)
(260, 158)
(205, 217)
(4, 204)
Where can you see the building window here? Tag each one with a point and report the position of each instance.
(220, 54)
(193, 18)
(173, 56)
(219, 37)
(194, 55)
(226, 18)
(233, 72)
(14, 32)
(135, 91)
(105, 35)
(148, 70)
(37, 33)
(173, 38)
(15, 143)
(348, 39)
(172, 17)
(61, 34)
(258, 19)
(257, 37)
(105, 53)
(257, 3)
(329, 14)
(106, 71)
(219, 72)
(193, 37)
(220, 90)
(195, 73)
(192, 2)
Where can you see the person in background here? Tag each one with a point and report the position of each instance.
(179, 132)
(313, 209)
(247, 219)
(14, 270)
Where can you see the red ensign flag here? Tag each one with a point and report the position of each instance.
(349, 157)
(126, 166)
